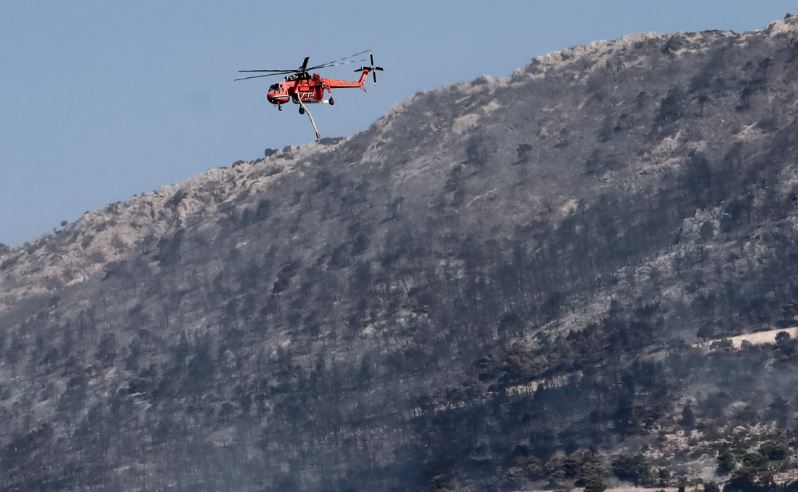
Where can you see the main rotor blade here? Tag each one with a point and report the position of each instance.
(341, 61)
(335, 64)
(268, 71)
(304, 68)
(347, 57)
(256, 77)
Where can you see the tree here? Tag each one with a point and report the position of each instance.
(745, 99)
(106, 350)
(779, 410)
(633, 469)
(789, 312)
(594, 483)
(688, 417)
(752, 463)
(782, 338)
(742, 483)
(670, 108)
(696, 178)
(703, 99)
(705, 332)
(284, 277)
(725, 460)
(201, 367)
(774, 451)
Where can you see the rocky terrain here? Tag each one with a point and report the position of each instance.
(507, 284)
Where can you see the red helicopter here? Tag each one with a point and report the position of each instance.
(301, 87)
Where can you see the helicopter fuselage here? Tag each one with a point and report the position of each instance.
(309, 89)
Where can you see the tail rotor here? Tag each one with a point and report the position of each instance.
(371, 68)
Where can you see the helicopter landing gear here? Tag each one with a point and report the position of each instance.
(279, 107)
(331, 101)
(301, 110)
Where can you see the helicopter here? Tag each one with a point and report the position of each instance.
(302, 87)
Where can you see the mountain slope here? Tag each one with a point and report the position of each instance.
(497, 285)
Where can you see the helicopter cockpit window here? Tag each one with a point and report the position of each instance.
(274, 87)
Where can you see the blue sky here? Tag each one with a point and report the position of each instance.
(100, 100)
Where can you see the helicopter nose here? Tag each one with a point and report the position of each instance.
(275, 97)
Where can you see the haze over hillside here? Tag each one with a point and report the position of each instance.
(500, 285)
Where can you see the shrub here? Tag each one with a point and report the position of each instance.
(175, 200)
(633, 469)
(774, 451)
(670, 108)
(329, 140)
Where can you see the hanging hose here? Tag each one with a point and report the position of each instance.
(312, 121)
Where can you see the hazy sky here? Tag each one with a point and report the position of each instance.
(100, 100)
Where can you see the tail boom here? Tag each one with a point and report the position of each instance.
(348, 84)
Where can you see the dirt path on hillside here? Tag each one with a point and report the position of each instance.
(757, 338)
